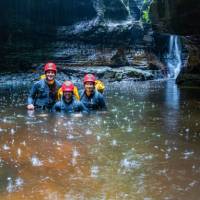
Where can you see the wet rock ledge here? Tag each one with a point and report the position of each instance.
(113, 74)
(107, 74)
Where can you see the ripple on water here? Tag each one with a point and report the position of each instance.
(8, 120)
(94, 171)
(105, 144)
(75, 152)
(187, 154)
(12, 131)
(130, 164)
(70, 137)
(114, 142)
(14, 184)
(35, 161)
(88, 132)
(6, 147)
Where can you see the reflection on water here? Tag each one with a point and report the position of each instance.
(172, 107)
(172, 96)
(145, 147)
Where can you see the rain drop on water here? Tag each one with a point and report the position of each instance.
(94, 171)
(6, 147)
(35, 161)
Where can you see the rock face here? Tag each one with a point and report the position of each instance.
(190, 74)
(71, 32)
(110, 74)
(181, 17)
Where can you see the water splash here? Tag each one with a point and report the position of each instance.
(114, 142)
(129, 164)
(35, 161)
(94, 171)
(19, 152)
(10, 186)
(75, 152)
(6, 147)
(14, 185)
(100, 8)
(173, 59)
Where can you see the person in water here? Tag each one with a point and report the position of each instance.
(68, 102)
(43, 93)
(90, 97)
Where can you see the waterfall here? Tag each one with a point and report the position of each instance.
(173, 59)
(125, 3)
(99, 7)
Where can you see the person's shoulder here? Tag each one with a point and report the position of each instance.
(58, 83)
(81, 93)
(38, 83)
(57, 104)
(77, 102)
(98, 94)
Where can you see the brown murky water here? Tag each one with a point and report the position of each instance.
(147, 146)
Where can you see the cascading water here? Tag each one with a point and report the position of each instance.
(99, 7)
(105, 17)
(173, 59)
(127, 7)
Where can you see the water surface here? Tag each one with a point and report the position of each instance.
(147, 146)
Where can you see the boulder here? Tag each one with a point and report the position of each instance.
(119, 59)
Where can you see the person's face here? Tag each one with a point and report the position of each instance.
(89, 87)
(68, 96)
(50, 75)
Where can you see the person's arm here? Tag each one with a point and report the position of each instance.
(83, 109)
(56, 107)
(31, 97)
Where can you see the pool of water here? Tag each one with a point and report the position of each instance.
(146, 146)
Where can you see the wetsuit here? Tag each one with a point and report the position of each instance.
(71, 107)
(94, 102)
(43, 95)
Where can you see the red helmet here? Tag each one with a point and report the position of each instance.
(89, 78)
(67, 86)
(50, 66)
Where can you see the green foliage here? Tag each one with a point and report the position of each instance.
(146, 10)
(145, 15)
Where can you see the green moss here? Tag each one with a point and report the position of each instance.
(146, 10)
(145, 15)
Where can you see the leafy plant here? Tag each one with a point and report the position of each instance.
(145, 11)
(145, 15)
